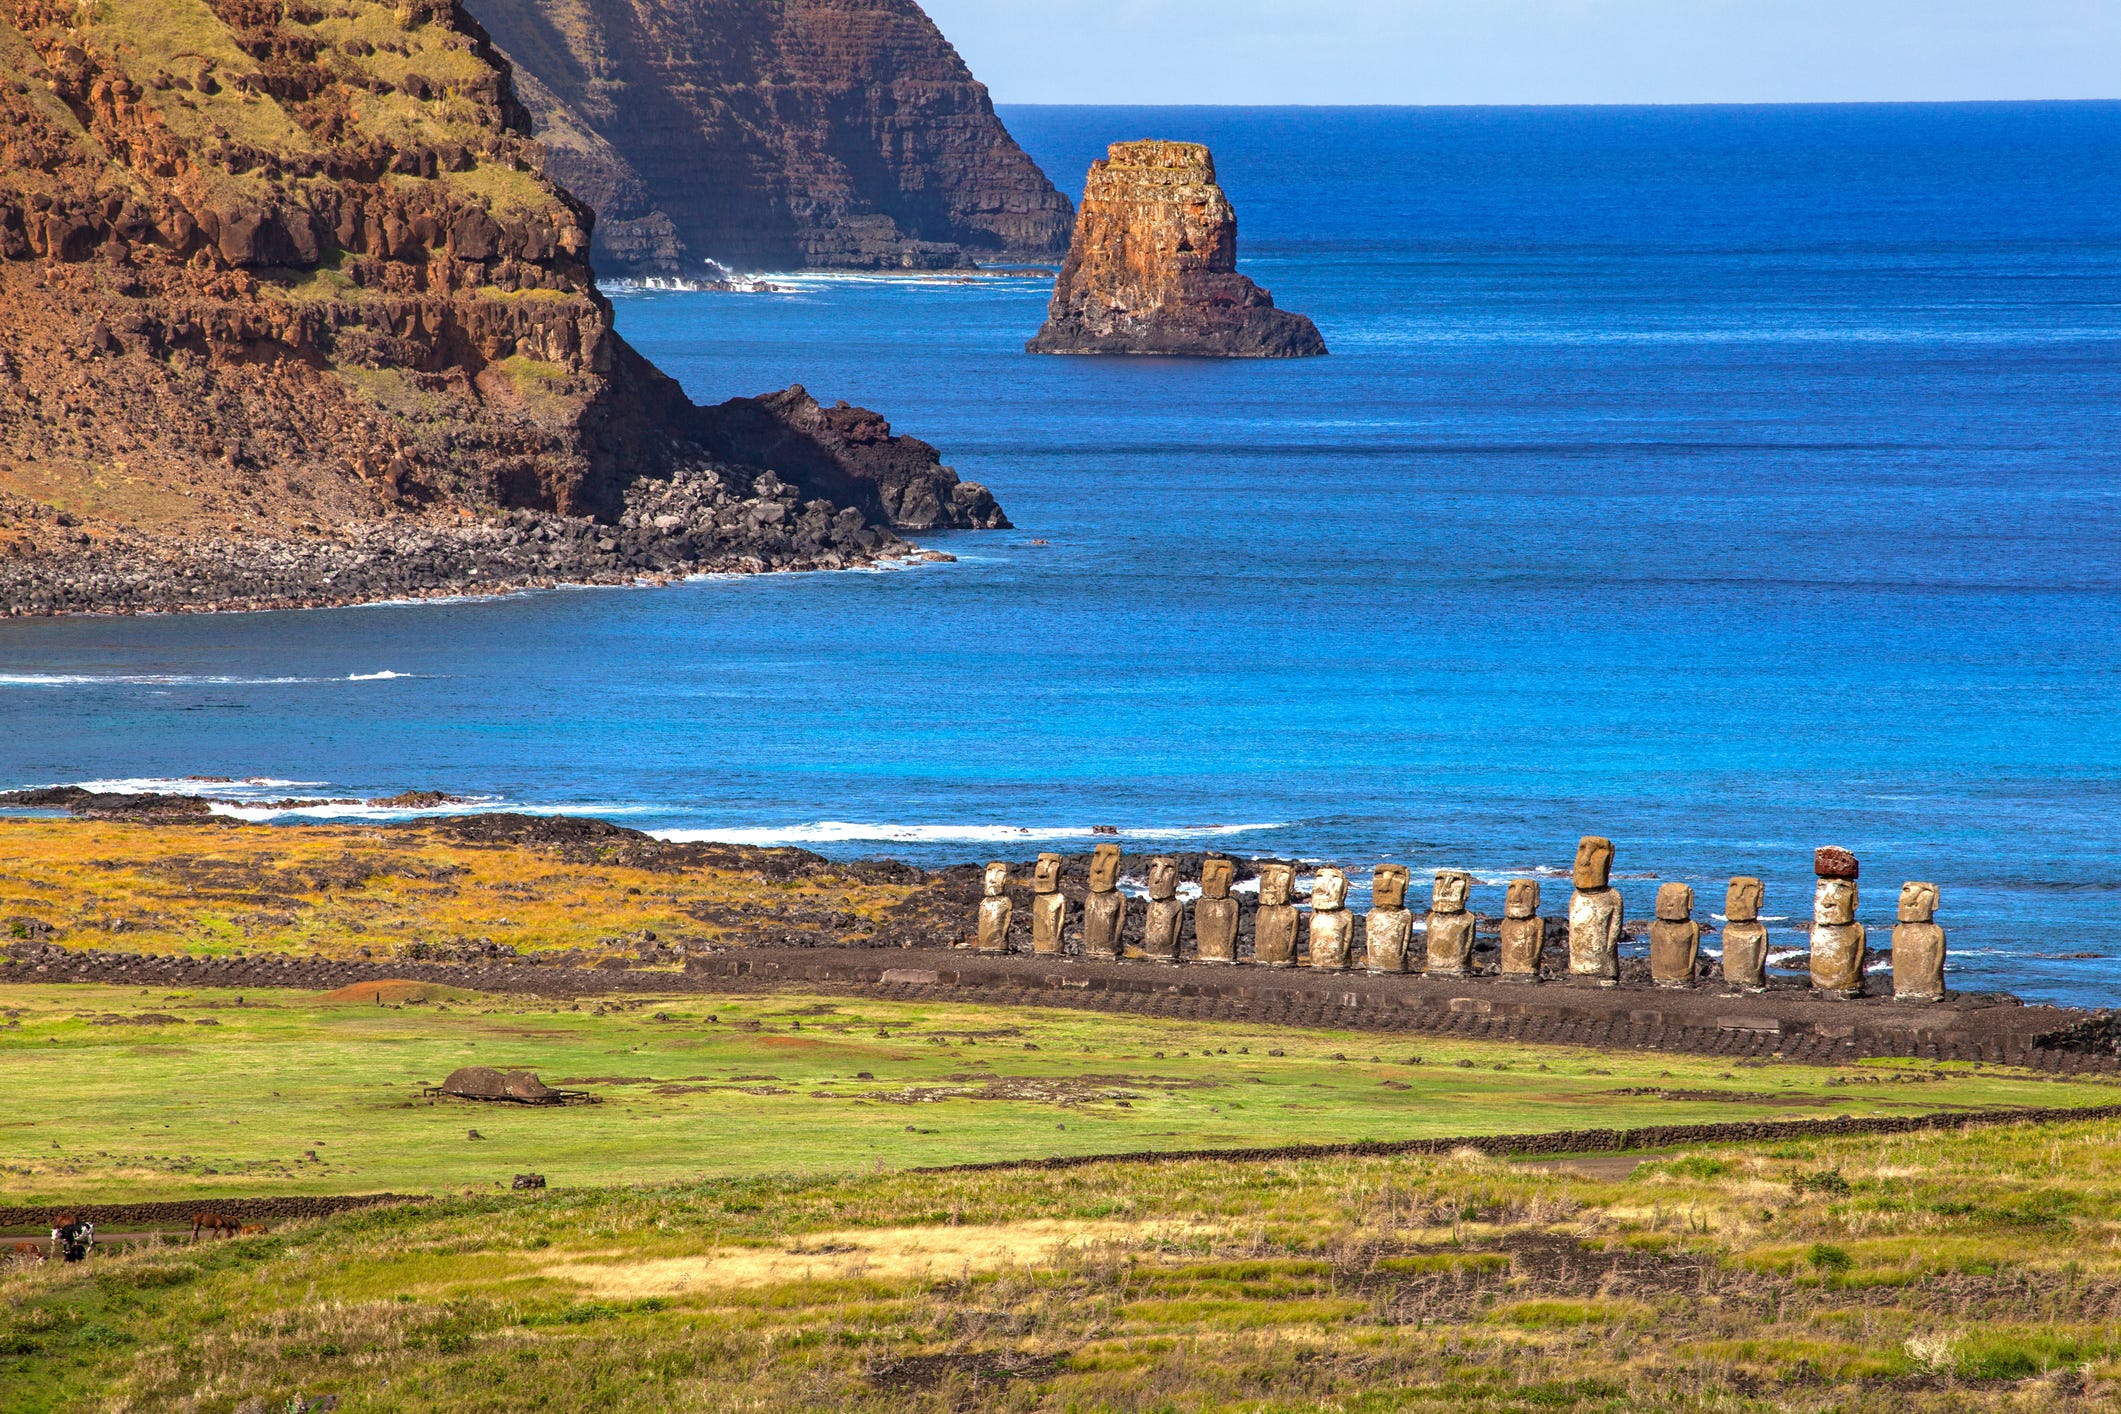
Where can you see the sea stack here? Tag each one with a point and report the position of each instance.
(1153, 267)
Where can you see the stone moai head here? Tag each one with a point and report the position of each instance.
(1388, 886)
(1215, 877)
(1523, 900)
(1594, 862)
(1675, 902)
(1741, 903)
(1163, 878)
(1834, 862)
(1046, 878)
(1104, 869)
(997, 879)
(1277, 884)
(1834, 902)
(1918, 903)
(1329, 891)
(1448, 894)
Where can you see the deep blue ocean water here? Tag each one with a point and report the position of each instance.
(1726, 481)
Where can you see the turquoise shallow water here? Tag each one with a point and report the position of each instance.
(1727, 481)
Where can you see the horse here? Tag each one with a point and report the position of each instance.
(251, 1229)
(28, 1252)
(220, 1223)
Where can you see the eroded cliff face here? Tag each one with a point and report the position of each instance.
(774, 134)
(1152, 268)
(289, 314)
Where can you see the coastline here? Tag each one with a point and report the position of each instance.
(383, 562)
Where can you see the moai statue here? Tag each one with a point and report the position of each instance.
(1049, 906)
(1524, 932)
(1167, 912)
(1105, 909)
(1675, 938)
(1744, 935)
(1450, 926)
(995, 910)
(1918, 947)
(1595, 915)
(1332, 926)
(1837, 938)
(1274, 926)
(1388, 926)
(1215, 913)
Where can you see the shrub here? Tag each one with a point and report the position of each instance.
(1829, 1260)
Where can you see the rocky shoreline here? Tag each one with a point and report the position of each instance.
(696, 523)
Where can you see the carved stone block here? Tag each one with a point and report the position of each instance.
(1167, 912)
(1388, 926)
(1274, 926)
(1745, 937)
(1215, 913)
(1049, 906)
(1675, 938)
(1105, 909)
(1595, 920)
(1918, 946)
(1524, 932)
(1450, 933)
(995, 910)
(1594, 862)
(1332, 926)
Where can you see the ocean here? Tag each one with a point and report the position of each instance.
(1728, 481)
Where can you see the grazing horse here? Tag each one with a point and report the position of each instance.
(220, 1223)
(28, 1252)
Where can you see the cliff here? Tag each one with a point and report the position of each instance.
(774, 134)
(289, 314)
(1152, 268)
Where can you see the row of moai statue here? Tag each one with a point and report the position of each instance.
(1839, 950)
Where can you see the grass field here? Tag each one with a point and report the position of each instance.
(122, 1093)
(1951, 1271)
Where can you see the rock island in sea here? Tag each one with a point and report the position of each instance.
(1153, 267)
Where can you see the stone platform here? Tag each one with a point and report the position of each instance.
(1792, 1023)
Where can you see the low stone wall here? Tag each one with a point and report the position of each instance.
(1574, 1141)
(281, 1209)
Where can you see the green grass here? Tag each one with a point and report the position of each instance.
(233, 1099)
(1191, 1285)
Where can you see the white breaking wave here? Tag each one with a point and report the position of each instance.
(192, 785)
(176, 679)
(841, 831)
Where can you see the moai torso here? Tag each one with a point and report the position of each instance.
(1450, 936)
(1105, 907)
(1332, 926)
(1167, 913)
(1387, 927)
(1595, 915)
(1675, 938)
(1744, 935)
(1049, 906)
(995, 911)
(1524, 932)
(1918, 946)
(1215, 913)
(1838, 952)
(1274, 926)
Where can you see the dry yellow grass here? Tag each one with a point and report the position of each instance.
(333, 890)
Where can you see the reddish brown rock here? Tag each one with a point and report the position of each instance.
(305, 323)
(1153, 267)
(771, 136)
(1834, 862)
